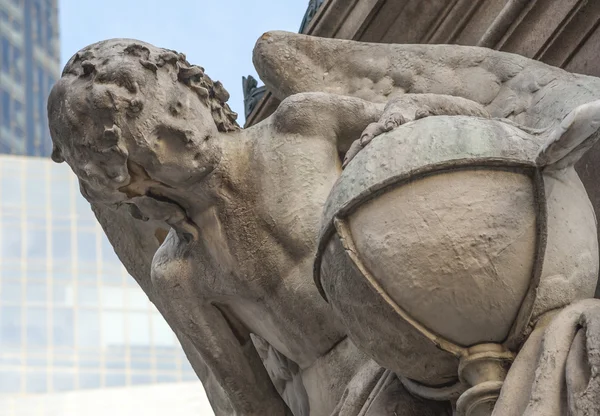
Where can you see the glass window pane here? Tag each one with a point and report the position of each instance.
(137, 299)
(60, 197)
(10, 291)
(10, 381)
(36, 382)
(5, 57)
(16, 52)
(89, 380)
(61, 223)
(63, 327)
(62, 294)
(38, 359)
(91, 361)
(113, 297)
(166, 363)
(36, 244)
(87, 295)
(162, 335)
(88, 327)
(39, 37)
(140, 353)
(116, 363)
(139, 328)
(140, 378)
(61, 245)
(166, 378)
(51, 80)
(19, 133)
(10, 359)
(6, 113)
(111, 277)
(115, 379)
(63, 381)
(11, 182)
(116, 352)
(63, 359)
(36, 292)
(87, 276)
(37, 274)
(35, 190)
(140, 363)
(12, 240)
(17, 105)
(86, 245)
(113, 328)
(35, 221)
(12, 273)
(36, 327)
(10, 325)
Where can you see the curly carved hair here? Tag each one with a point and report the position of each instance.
(91, 60)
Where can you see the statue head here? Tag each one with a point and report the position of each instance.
(126, 114)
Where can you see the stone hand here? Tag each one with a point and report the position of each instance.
(388, 122)
(410, 107)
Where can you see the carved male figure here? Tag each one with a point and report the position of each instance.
(149, 133)
(142, 127)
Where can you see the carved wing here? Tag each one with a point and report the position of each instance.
(526, 91)
(135, 243)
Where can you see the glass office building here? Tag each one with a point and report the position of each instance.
(70, 315)
(29, 66)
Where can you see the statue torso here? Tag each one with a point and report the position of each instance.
(255, 255)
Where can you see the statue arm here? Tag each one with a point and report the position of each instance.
(353, 122)
(339, 118)
(222, 342)
(234, 363)
(136, 242)
(409, 107)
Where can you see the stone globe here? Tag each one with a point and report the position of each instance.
(444, 235)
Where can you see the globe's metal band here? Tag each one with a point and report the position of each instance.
(518, 330)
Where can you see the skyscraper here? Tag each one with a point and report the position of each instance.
(71, 317)
(29, 66)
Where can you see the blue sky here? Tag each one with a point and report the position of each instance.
(218, 35)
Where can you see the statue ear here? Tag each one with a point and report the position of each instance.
(575, 135)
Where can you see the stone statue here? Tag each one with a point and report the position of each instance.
(457, 247)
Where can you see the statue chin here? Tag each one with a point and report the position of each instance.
(432, 251)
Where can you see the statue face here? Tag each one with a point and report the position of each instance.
(130, 132)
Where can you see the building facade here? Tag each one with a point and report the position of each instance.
(70, 316)
(29, 66)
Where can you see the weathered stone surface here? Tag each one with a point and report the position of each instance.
(220, 225)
